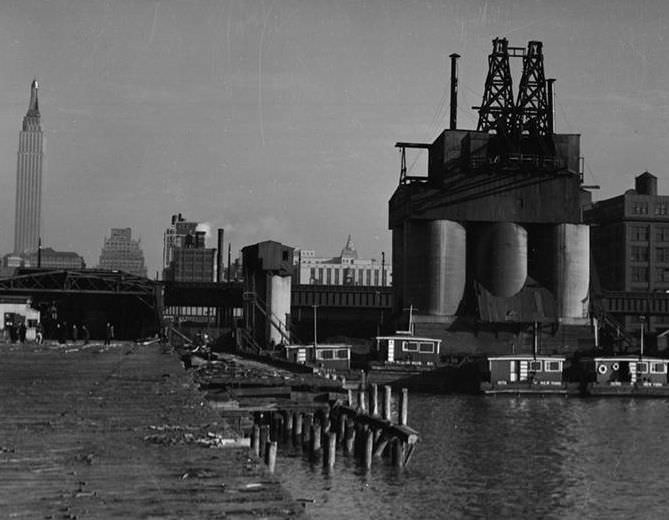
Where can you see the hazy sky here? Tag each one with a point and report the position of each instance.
(277, 120)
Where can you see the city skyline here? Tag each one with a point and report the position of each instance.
(278, 121)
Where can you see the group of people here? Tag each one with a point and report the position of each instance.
(60, 331)
(63, 333)
(17, 332)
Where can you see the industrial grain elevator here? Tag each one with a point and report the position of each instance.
(490, 248)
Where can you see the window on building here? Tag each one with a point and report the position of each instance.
(336, 275)
(662, 254)
(328, 274)
(640, 233)
(639, 274)
(376, 277)
(639, 254)
(552, 366)
(342, 353)
(640, 208)
(658, 368)
(535, 366)
(369, 276)
(426, 348)
(320, 275)
(312, 275)
(410, 346)
(642, 368)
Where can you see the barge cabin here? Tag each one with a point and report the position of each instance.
(527, 374)
(325, 355)
(403, 348)
(630, 375)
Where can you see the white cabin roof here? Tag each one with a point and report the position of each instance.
(526, 357)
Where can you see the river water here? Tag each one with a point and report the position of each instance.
(504, 457)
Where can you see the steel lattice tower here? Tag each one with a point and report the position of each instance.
(497, 109)
(532, 104)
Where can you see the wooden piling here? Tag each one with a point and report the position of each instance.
(315, 440)
(398, 453)
(374, 400)
(341, 428)
(297, 429)
(288, 430)
(255, 440)
(306, 427)
(264, 439)
(349, 443)
(362, 405)
(387, 399)
(380, 445)
(350, 398)
(330, 452)
(270, 456)
(404, 407)
(369, 449)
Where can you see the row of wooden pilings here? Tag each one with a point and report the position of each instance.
(363, 428)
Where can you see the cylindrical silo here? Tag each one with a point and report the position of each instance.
(416, 247)
(398, 268)
(446, 266)
(279, 308)
(572, 269)
(501, 258)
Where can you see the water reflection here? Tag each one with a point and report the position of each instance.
(501, 458)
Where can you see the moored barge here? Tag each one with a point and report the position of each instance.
(642, 376)
(517, 374)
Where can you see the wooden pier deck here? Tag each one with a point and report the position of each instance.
(121, 432)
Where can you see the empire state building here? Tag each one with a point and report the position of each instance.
(29, 179)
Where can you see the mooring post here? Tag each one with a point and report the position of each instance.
(369, 448)
(404, 407)
(330, 453)
(277, 424)
(350, 398)
(374, 400)
(270, 456)
(297, 430)
(387, 399)
(255, 440)
(363, 379)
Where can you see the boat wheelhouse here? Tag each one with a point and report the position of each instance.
(336, 356)
(527, 374)
(630, 375)
(403, 348)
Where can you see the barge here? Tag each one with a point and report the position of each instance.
(517, 374)
(642, 376)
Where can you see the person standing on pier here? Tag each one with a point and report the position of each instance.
(109, 333)
(85, 334)
(75, 333)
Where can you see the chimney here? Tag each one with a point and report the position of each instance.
(219, 256)
(454, 91)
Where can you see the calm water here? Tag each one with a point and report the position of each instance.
(487, 457)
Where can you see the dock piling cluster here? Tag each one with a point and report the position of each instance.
(363, 429)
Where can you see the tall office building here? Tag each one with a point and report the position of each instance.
(120, 252)
(185, 257)
(29, 179)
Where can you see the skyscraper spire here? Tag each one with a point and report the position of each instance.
(33, 108)
(28, 214)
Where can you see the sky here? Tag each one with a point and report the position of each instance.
(276, 120)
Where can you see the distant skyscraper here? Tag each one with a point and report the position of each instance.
(185, 257)
(29, 179)
(122, 253)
